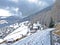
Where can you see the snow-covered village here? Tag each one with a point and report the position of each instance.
(29, 22)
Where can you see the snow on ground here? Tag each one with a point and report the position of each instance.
(1, 40)
(38, 38)
(17, 33)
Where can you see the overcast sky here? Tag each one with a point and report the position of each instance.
(23, 7)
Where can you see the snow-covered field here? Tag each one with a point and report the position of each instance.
(38, 38)
(24, 36)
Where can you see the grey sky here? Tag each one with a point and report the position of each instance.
(25, 7)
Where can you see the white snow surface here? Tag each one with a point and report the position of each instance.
(38, 38)
(17, 33)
